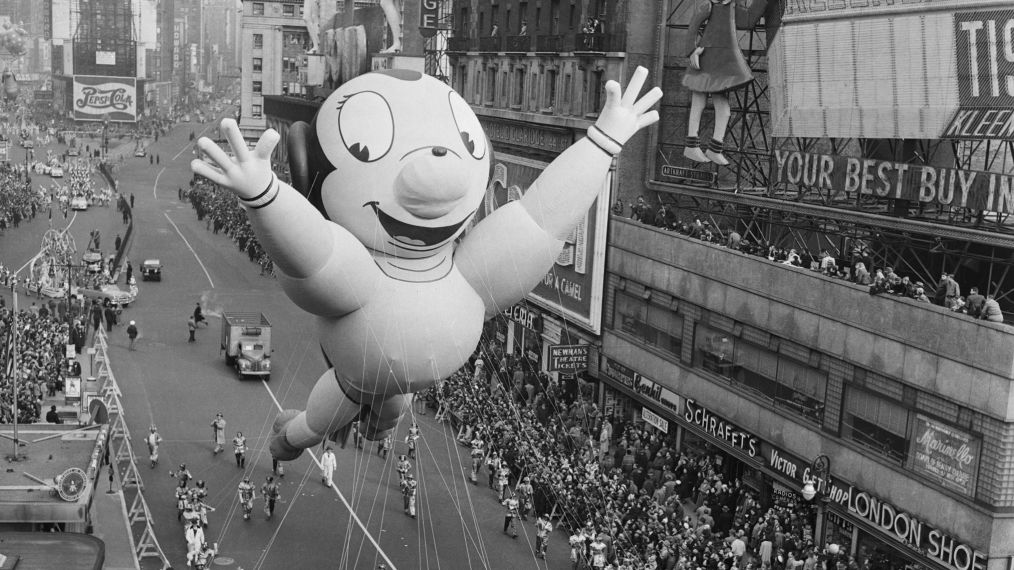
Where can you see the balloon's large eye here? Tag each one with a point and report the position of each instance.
(468, 125)
(366, 125)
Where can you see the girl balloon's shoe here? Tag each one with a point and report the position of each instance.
(693, 151)
(714, 153)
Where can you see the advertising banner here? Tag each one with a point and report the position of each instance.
(573, 287)
(976, 190)
(569, 358)
(653, 419)
(921, 69)
(98, 98)
(947, 455)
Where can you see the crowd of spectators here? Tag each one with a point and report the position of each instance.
(623, 492)
(223, 213)
(18, 201)
(860, 268)
(40, 344)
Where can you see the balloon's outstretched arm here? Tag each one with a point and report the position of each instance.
(510, 251)
(316, 257)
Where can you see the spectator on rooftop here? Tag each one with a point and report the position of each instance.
(953, 290)
(862, 275)
(991, 310)
(920, 295)
(733, 241)
(828, 264)
(974, 303)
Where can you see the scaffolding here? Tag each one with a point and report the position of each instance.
(917, 239)
(105, 42)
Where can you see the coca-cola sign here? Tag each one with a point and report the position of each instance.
(101, 98)
(945, 454)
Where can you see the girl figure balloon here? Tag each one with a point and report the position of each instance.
(716, 67)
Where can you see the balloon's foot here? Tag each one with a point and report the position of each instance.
(280, 447)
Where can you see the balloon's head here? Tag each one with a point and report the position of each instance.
(406, 162)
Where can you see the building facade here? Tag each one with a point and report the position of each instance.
(767, 365)
(274, 41)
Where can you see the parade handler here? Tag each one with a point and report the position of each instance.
(369, 242)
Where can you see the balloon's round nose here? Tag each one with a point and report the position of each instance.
(430, 186)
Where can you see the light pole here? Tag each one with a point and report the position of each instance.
(816, 483)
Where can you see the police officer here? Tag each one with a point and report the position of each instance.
(408, 490)
(271, 494)
(239, 449)
(246, 496)
(510, 517)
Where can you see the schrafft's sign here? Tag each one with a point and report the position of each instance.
(971, 189)
(720, 428)
(569, 358)
(99, 98)
(984, 45)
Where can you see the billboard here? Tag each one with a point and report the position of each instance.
(98, 98)
(573, 287)
(924, 69)
(945, 454)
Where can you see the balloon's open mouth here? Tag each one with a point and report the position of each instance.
(413, 235)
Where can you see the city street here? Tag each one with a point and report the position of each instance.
(180, 386)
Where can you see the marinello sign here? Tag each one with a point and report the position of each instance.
(976, 190)
(100, 98)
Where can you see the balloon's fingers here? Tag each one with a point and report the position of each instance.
(649, 118)
(635, 85)
(266, 144)
(230, 130)
(645, 103)
(613, 94)
(215, 153)
(212, 173)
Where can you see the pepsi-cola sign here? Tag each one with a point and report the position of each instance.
(100, 98)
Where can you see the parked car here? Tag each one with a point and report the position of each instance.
(73, 151)
(78, 203)
(151, 270)
(28, 143)
(139, 152)
(111, 292)
(56, 172)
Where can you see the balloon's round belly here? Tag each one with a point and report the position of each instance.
(402, 345)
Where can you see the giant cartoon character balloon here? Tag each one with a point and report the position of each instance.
(389, 174)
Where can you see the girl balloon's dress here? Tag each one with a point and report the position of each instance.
(723, 67)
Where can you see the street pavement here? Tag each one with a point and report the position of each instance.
(179, 387)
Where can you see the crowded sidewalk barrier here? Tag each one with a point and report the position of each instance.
(123, 461)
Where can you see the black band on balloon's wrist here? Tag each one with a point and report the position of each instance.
(264, 198)
(609, 138)
(602, 148)
(261, 195)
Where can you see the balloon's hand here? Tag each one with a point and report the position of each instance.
(624, 114)
(695, 58)
(246, 175)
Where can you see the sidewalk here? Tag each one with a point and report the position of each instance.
(109, 523)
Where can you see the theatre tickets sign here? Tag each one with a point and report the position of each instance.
(976, 190)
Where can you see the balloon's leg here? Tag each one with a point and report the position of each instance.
(382, 417)
(692, 148)
(328, 409)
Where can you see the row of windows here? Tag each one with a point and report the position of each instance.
(289, 64)
(524, 20)
(287, 9)
(546, 91)
(871, 420)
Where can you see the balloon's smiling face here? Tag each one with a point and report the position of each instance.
(411, 162)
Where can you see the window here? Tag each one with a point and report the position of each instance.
(875, 422)
(568, 91)
(594, 93)
(550, 91)
(504, 85)
(301, 11)
(258, 64)
(288, 9)
(571, 17)
(258, 8)
(258, 40)
(554, 15)
(482, 25)
(478, 87)
(255, 110)
(463, 24)
(490, 86)
(519, 88)
(257, 86)
(651, 324)
(538, 16)
(463, 80)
